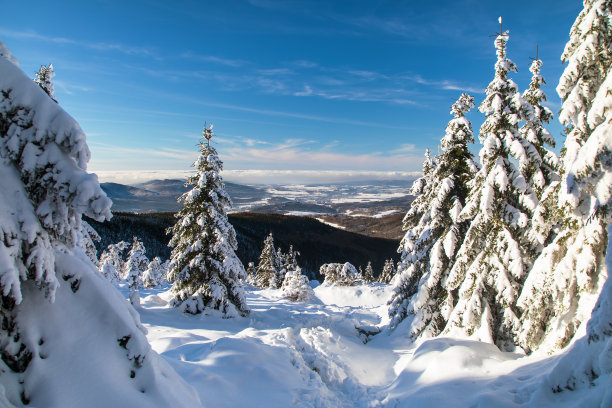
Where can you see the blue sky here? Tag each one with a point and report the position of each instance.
(298, 91)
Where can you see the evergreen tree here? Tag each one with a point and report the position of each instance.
(369, 273)
(133, 269)
(282, 269)
(493, 260)
(433, 302)
(153, 276)
(541, 171)
(44, 190)
(86, 242)
(111, 263)
(43, 79)
(542, 168)
(166, 267)
(388, 272)
(289, 261)
(295, 286)
(359, 274)
(251, 274)
(269, 266)
(415, 246)
(205, 270)
(560, 291)
(339, 274)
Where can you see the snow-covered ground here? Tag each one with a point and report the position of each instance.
(311, 355)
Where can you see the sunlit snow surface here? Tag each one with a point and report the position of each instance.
(311, 355)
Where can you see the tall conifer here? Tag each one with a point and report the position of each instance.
(205, 270)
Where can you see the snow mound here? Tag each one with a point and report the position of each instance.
(91, 341)
(367, 295)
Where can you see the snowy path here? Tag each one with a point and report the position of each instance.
(310, 355)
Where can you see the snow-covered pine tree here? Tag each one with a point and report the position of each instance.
(269, 265)
(388, 272)
(250, 273)
(369, 273)
(153, 276)
(562, 286)
(45, 190)
(339, 274)
(55, 307)
(111, 263)
(541, 170)
(282, 267)
(415, 246)
(86, 242)
(44, 78)
(289, 261)
(295, 286)
(165, 268)
(206, 271)
(493, 260)
(433, 302)
(133, 269)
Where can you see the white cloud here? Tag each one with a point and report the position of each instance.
(118, 152)
(259, 176)
(235, 63)
(405, 148)
(312, 176)
(101, 46)
(139, 176)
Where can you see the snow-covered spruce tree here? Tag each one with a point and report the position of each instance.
(251, 274)
(388, 272)
(111, 262)
(165, 269)
(541, 170)
(369, 273)
(562, 286)
(133, 269)
(86, 242)
(431, 305)
(55, 305)
(153, 276)
(495, 257)
(282, 267)
(415, 246)
(269, 265)
(44, 78)
(540, 167)
(206, 272)
(339, 274)
(295, 286)
(289, 260)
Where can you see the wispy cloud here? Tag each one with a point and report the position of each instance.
(100, 46)
(309, 155)
(443, 84)
(406, 148)
(235, 63)
(70, 88)
(258, 176)
(121, 152)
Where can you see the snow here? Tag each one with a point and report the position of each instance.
(331, 224)
(310, 354)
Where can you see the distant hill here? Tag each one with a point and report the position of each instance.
(162, 195)
(318, 243)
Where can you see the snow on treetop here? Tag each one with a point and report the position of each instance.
(6, 53)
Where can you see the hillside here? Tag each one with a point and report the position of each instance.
(318, 243)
